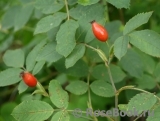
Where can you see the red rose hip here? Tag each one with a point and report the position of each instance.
(29, 79)
(99, 31)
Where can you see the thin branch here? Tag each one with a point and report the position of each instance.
(115, 90)
(137, 118)
(133, 88)
(145, 92)
(111, 78)
(103, 57)
(89, 93)
(66, 3)
(89, 46)
(89, 97)
(121, 16)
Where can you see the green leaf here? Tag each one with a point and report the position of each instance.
(49, 22)
(14, 58)
(120, 3)
(62, 78)
(157, 72)
(22, 16)
(32, 110)
(123, 107)
(136, 21)
(113, 27)
(148, 61)
(88, 13)
(147, 41)
(9, 76)
(22, 87)
(9, 16)
(102, 88)
(49, 6)
(120, 46)
(61, 116)
(87, 2)
(38, 14)
(80, 69)
(84, 15)
(34, 42)
(6, 110)
(29, 97)
(58, 96)
(89, 36)
(142, 102)
(155, 116)
(39, 65)
(76, 54)
(26, 2)
(6, 43)
(77, 87)
(66, 38)
(51, 34)
(32, 56)
(146, 82)
(49, 53)
(114, 37)
(132, 63)
(72, 2)
(117, 73)
(100, 72)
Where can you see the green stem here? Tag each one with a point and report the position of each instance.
(84, 112)
(116, 105)
(89, 47)
(107, 13)
(110, 118)
(111, 79)
(115, 90)
(144, 92)
(158, 86)
(89, 93)
(41, 88)
(133, 88)
(89, 97)
(57, 110)
(103, 57)
(66, 3)
(137, 117)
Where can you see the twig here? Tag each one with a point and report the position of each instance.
(103, 57)
(115, 90)
(66, 3)
(133, 88)
(89, 97)
(111, 79)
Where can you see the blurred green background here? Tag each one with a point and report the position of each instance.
(23, 38)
